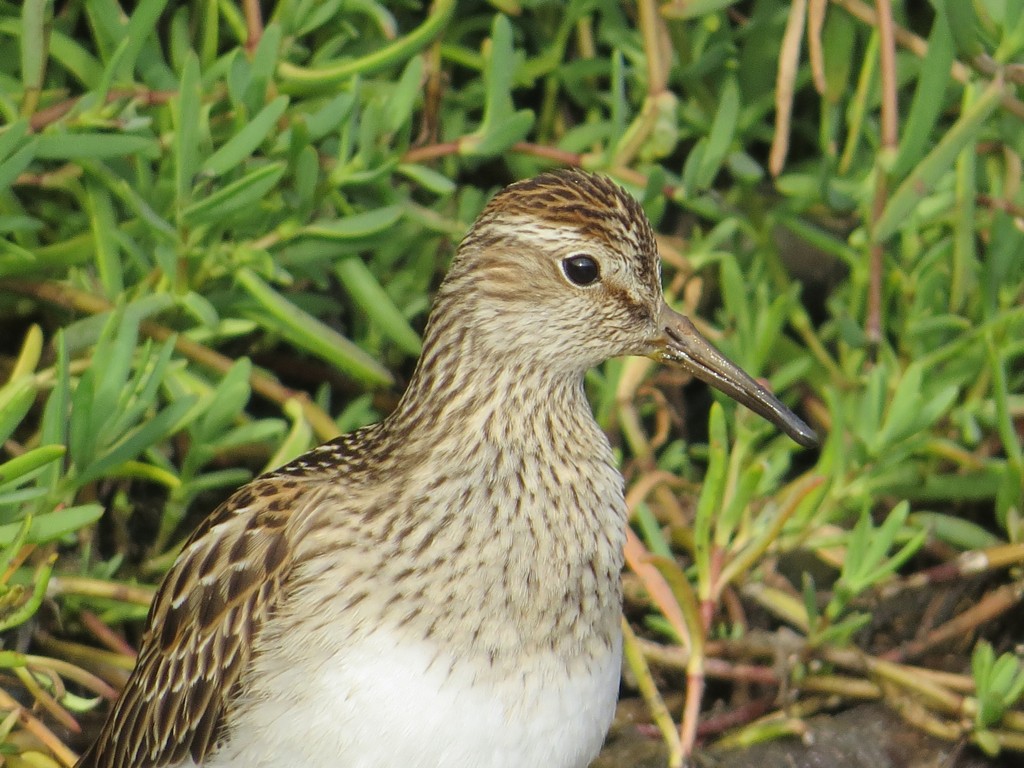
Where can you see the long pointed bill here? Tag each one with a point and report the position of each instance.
(683, 344)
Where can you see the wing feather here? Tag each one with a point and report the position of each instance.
(200, 630)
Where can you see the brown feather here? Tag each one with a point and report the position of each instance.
(205, 618)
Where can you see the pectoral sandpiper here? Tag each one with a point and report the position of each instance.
(440, 590)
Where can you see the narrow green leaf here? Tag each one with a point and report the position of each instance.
(264, 60)
(884, 537)
(10, 552)
(237, 196)
(927, 173)
(500, 127)
(104, 228)
(298, 439)
(955, 531)
(186, 138)
(499, 72)
(501, 137)
(965, 226)
(251, 433)
(83, 434)
(901, 415)
(650, 529)
(238, 77)
(229, 400)
(201, 308)
(29, 461)
(839, 38)
(937, 405)
(240, 146)
(737, 304)
(179, 38)
(868, 420)
(963, 23)
(64, 51)
(116, 348)
(141, 26)
(29, 354)
(210, 35)
(768, 329)
(12, 136)
(16, 163)
(331, 116)
(306, 177)
(1010, 493)
(694, 9)
(857, 108)
(225, 478)
(51, 526)
(295, 78)
(368, 294)
(710, 494)
(691, 167)
(403, 96)
(720, 135)
(55, 414)
(16, 398)
(317, 14)
(982, 661)
(313, 335)
(428, 178)
(356, 226)
(106, 18)
(857, 546)
(371, 128)
(94, 146)
(89, 330)
(141, 392)
(928, 96)
(150, 433)
(34, 38)
(1015, 686)
(730, 518)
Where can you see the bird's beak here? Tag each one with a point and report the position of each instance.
(681, 343)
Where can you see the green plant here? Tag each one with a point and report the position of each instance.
(1000, 685)
(221, 231)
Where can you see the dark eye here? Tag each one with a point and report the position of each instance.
(581, 269)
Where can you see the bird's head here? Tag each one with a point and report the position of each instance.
(563, 271)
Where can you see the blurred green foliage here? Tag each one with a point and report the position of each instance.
(221, 231)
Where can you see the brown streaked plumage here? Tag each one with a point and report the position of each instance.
(440, 589)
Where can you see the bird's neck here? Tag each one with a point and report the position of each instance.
(507, 468)
(509, 444)
(465, 387)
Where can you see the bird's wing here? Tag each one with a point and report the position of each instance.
(200, 630)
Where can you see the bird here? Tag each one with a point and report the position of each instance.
(440, 589)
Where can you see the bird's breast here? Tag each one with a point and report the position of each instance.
(390, 699)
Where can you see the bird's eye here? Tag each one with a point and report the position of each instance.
(581, 269)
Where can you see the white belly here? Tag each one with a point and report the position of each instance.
(376, 708)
